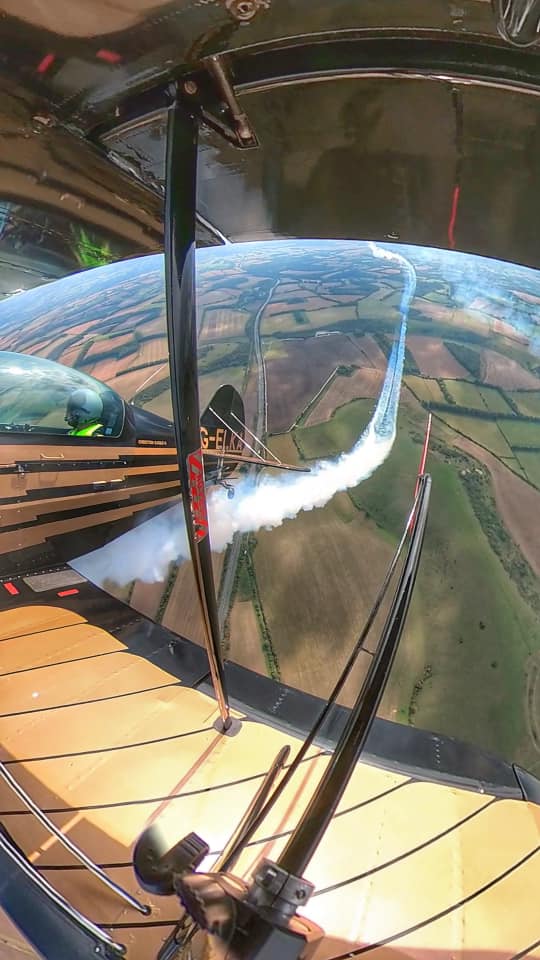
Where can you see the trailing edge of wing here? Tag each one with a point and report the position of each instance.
(243, 458)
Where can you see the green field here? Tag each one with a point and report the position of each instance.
(521, 433)
(484, 432)
(476, 397)
(528, 402)
(530, 461)
(376, 307)
(493, 400)
(209, 382)
(466, 615)
(465, 394)
(425, 390)
(461, 666)
(336, 435)
(514, 465)
(330, 316)
(212, 354)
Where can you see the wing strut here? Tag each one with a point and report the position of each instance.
(312, 826)
(180, 200)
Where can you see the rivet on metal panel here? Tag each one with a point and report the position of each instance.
(245, 10)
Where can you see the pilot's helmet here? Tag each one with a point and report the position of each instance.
(84, 407)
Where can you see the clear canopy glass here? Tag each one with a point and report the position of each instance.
(34, 394)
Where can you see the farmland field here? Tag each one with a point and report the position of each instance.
(372, 351)
(162, 404)
(328, 572)
(363, 383)
(484, 432)
(107, 370)
(294, 377)
(150, 351)
(221, 323)
(514, 465)
(213, 354)
(528, 402)
(530, 461)
(521, 433)
(465, 394)
(494, 400)
(426, 390)
(330, 315)
(502, 371)
(209, 382)
(337, 434)
(434, 359)
(377, 307)
(182, 612)
(101, 345)
(129, 384)
(516, 500)
(466, 614)
(283, 446)
(245, 639)
(146, 597)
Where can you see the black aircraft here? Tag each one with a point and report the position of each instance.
(117, 460)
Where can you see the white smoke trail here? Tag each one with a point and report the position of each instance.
(273, 500)
(146, 551)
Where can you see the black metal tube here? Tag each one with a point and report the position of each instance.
(235, 844)
(104, 945)
(320, 810)
(69, 845)
(180, 201)
(183, 934)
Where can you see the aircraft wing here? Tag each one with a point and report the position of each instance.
(259, 461)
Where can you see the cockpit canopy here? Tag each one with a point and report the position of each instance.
(35, 394)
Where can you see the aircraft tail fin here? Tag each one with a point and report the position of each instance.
(222, 425)
(226, 441)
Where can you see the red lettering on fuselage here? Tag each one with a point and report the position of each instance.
(197, 494)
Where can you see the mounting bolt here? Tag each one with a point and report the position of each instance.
(190, 87)
(245, 10)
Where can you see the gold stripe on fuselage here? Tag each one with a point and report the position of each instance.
(37, 467)
(14, 539)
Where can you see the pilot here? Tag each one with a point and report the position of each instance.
(84, 413)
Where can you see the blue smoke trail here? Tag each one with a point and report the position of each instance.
(385, 417)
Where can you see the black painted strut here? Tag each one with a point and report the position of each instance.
(180, 213)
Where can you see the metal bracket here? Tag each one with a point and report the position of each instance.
(250, 923)
(278, 892)
(216, 104)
